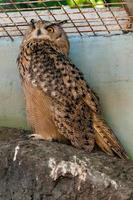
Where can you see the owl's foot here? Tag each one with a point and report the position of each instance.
(36, 137)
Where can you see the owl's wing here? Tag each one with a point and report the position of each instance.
(74, 81)
(104, 136)
(78, 87)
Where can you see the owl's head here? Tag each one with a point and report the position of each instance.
(51, 31)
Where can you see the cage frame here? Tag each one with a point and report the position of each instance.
(87, 20)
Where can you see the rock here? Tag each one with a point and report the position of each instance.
(40, 170)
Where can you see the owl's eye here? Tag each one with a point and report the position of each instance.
(50, 29)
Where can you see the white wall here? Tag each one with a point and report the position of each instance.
(107, 63)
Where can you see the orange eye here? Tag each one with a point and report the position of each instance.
(50, 29)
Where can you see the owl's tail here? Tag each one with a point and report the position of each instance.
(105, 138)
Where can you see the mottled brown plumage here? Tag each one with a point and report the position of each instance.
(60, 104)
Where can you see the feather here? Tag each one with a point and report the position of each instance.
(39, 115)
(92, 101)
(106, 139)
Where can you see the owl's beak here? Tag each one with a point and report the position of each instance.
(38, 32)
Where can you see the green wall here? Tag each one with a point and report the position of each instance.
(107, 63)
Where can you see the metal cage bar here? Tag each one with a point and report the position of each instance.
(86, 19)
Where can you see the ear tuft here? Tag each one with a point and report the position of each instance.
(32, 23)
(62, 22)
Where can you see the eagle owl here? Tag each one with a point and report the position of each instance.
(60, 104)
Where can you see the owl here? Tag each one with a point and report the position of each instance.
(60, 104)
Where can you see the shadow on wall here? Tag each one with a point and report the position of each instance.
(107, 64)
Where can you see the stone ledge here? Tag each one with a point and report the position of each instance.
(40, 170)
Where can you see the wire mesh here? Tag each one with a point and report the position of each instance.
(86, 19)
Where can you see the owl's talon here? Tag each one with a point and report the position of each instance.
(36, 137)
